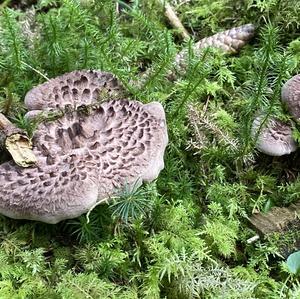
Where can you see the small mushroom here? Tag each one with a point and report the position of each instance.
(89, 154)
(290, 95)
(273, 137)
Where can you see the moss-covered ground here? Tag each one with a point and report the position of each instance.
(184, 235)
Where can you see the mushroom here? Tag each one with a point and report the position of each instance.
(290, 95)
(87, 155)
(273, 137)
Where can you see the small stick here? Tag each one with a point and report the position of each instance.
(37, 71)
(206, 105)
(117, 8)
(16, 142)
(175, 22)
(253, 239)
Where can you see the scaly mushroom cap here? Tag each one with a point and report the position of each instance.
(274, 138)
(290, 94)
(83, 158)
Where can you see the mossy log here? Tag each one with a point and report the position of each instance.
(276, 220)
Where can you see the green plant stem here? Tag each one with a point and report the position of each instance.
(189, 90)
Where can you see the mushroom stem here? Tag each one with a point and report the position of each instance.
(174, 21)
(16, 142)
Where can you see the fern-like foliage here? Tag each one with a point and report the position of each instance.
(183, 236)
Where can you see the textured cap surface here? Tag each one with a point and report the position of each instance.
(84, 158)
(274, 138)
(75, 89)
(290, 94)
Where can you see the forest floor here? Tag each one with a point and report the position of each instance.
(185, 235)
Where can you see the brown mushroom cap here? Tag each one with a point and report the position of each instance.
(275, 137)
(76, 88)
(83, 158)
(290, 94)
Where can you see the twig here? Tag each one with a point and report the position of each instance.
(175, 22)
(202, 123)
(206, 105)
(252, 239)
(16, 142)
(37, 71)
(105, 200)
(117, 8)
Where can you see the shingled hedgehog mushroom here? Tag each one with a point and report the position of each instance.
(276, 139)
(290, 95)
(87, 155)
(273, 137)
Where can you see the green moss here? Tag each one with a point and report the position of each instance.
(183, 236)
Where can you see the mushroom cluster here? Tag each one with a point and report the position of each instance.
(272, 136)
(87, 155)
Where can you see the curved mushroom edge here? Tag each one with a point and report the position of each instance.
(70, 140)
(275, 137)
(290, 95)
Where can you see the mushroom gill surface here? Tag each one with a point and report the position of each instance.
(83, 158)
(273, 137)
